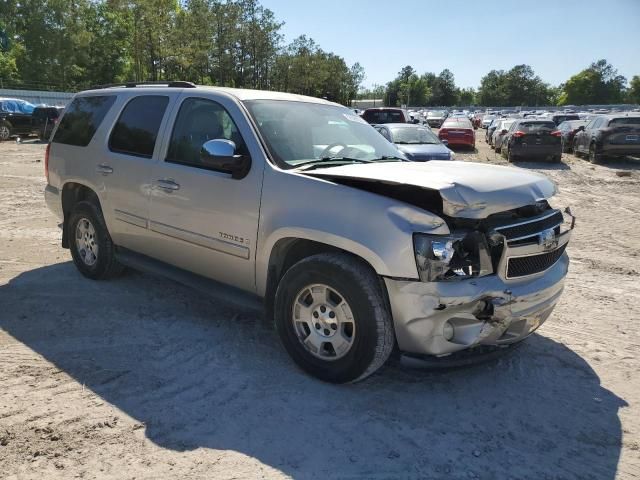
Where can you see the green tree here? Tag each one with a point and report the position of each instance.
(466, 96)
(598, 84)
(445, 92)
(633, 94)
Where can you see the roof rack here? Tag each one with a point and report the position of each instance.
(173, 84)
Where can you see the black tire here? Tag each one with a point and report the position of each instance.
(5, 131)
(594, 156)
(360, 287)
(511, 158)
(575, 149)
(106, 266)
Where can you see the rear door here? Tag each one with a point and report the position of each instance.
(203, 220)
(123, 170)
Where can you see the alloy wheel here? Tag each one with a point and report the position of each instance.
(4, 132)
(323, 322)
(86, 242)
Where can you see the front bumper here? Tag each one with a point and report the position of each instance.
(483, 311)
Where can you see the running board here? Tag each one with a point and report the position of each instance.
(207, 286)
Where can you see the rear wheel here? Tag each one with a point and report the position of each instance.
(92, 249)
(594, 156)
(333, 319)
(510, 156)
(576, 152)
(5, 131)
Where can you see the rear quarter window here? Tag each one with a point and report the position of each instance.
(81, 120)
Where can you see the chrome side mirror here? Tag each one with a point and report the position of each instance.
(220, 155)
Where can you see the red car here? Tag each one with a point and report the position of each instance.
(457, 132)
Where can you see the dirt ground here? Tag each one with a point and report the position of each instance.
(141, 378)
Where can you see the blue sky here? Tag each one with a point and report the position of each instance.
(558, 38)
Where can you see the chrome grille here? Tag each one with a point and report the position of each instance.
(530, 228)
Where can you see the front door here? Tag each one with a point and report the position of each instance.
(201, 219)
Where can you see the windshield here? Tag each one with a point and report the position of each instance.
(299, 132)
(413, 135)
(435, 114)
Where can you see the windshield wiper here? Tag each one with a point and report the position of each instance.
(329, 160)
(337, 161)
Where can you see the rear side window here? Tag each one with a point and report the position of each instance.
(82, 119)
(625, 121)
(137, 128)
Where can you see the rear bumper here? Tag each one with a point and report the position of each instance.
(460, 141)
(532, 150)
(54, 202)
(421, 310)
(620, 150)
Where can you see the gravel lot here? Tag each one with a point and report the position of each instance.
(142, 378)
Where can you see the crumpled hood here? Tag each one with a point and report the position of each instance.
(468, 190)
(426, 151)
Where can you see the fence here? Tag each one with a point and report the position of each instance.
(59, 99)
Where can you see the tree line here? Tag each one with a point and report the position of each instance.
(74, 44)
(599, 84)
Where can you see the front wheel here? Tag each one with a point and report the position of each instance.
(333, 319)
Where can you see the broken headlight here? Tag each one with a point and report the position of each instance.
(451, 257)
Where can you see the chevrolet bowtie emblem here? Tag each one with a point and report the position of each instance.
(547, 239)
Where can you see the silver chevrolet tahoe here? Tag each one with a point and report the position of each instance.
(298, 205)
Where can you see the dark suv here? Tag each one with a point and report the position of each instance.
(558, 118)
(386, 115)
(532, 138)
(44, 119)
(15, 117)
(609, 136)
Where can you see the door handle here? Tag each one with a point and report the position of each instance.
(167, 185)
(104, 169)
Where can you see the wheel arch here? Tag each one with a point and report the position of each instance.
(287, 251)
(72, 193)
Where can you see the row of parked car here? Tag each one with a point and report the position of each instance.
(455, 129)
(600, 137)
(21, 118)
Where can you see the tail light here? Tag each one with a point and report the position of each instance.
(46, 161)
(556, 133)
(519, 134)
(443, 131)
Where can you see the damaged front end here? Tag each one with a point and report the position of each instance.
(491, 282)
